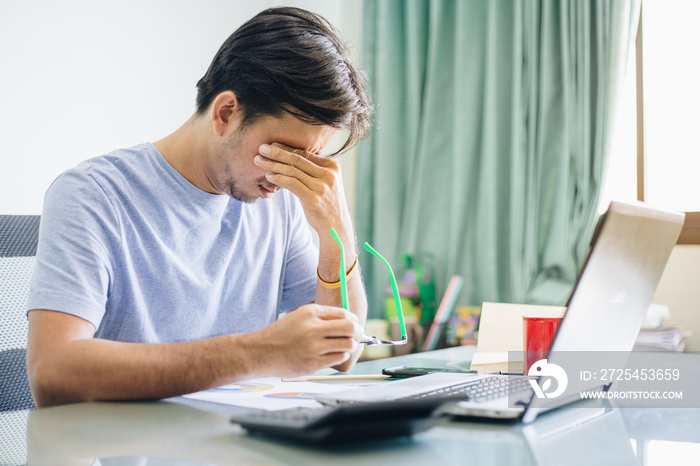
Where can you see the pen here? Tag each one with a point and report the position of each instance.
(318, 378)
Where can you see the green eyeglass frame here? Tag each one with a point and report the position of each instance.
(367, 339)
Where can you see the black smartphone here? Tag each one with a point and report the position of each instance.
(407, 371)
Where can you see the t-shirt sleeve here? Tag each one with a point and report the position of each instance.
(299, 279)
(78, 231)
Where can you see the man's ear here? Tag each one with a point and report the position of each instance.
(226, 113)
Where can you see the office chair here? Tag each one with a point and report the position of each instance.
(18, 242)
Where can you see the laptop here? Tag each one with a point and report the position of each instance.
(627, 255)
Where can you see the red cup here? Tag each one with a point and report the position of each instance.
(538, 334)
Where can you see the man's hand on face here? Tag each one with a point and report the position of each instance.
(315, 180)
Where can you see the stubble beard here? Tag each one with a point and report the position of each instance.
(233, 191)
(231, 187)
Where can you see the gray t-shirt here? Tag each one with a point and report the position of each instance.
(131, 246)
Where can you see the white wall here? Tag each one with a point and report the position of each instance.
(79, 78)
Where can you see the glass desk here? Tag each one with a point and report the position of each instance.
(187, 432)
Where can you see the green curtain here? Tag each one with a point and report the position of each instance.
(489, 139)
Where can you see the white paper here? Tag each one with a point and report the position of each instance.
(493, 357)
(269, 393)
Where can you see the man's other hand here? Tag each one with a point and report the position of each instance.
(310, 338)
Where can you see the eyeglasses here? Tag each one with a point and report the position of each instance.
(366, 339)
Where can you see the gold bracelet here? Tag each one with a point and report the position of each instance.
(335, 285)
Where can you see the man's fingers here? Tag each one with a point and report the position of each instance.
(291, 184)
(332, 312)
(336, 345)
(339, 323)
(305, 161)
(294, 150)
(342, 329)
(285, 172)
(314, 158)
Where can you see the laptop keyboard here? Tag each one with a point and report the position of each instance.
(480, 391)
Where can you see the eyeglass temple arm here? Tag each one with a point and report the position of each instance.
(394, 289)
(343, 278)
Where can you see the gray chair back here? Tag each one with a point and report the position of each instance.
(18, 243)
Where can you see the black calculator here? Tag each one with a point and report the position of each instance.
(340, 424)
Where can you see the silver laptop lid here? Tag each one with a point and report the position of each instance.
(628, 254)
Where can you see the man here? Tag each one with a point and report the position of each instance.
(158, 270)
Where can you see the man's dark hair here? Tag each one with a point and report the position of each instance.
(290, 60)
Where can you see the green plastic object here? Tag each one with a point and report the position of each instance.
(394, 289)
(341, 272)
